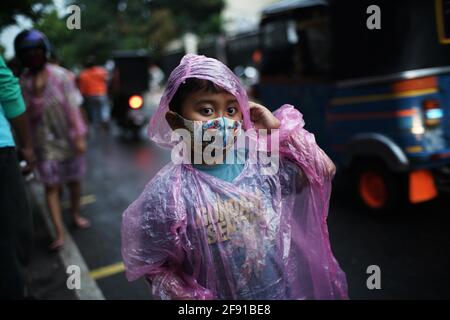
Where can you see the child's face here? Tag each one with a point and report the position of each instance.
(204, 105)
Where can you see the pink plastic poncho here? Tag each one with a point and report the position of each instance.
(56, 121)
(194, 236)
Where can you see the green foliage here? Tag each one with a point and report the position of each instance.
(108, 25)
(200, 16)
(10, 9)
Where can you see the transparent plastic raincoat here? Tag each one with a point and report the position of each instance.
(194, 236)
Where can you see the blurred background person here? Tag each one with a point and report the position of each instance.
(15, 213)
(155, 88)
(53, 102)
(156, 76)
(92, 82)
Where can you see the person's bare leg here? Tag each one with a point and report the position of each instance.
(54, 206)
(75, 199)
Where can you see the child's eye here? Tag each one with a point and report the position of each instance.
(232, 111)
(206, 111)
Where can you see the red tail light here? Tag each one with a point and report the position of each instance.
(135, 102)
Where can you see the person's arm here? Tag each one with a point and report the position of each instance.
(170, 284)
(296, 143)
(21, 127)
(13, 105)
(77, 121)
(151, 245)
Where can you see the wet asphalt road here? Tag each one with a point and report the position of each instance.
(412, 248)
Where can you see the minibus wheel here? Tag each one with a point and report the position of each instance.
(378, 189)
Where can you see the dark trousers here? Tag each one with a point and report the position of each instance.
(15, 226)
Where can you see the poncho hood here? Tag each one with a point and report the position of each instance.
(200, 67)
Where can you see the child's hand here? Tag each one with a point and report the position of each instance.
(262, 117)
(168, 285)
(80, 145)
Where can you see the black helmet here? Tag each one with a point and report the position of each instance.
(31, 39)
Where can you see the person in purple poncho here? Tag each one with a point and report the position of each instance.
(231, 229)
(58, 129)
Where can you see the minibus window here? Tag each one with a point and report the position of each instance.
(277, 56)
(275, 35)
(313, 50)
(443, 20)
(298, 47)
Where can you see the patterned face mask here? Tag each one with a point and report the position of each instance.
(203, 131)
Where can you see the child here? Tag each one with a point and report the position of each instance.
(58, 128)
(228, 231)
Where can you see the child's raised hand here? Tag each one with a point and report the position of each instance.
(262, 117)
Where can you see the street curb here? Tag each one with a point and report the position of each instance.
(69, 253)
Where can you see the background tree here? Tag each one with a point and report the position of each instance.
(11, 9)
(108, 25)
(202, 17)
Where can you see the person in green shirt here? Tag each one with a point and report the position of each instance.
(15, 214)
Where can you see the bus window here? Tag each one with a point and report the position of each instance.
(313, 50)
(443, 20)
(277, 58)
(240, 49)
(275, 35)
(297, 48)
